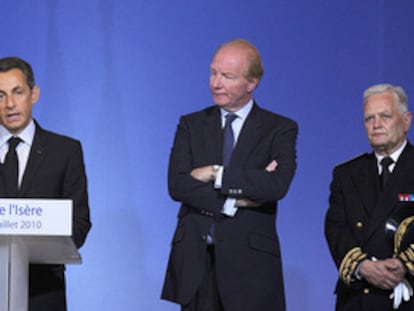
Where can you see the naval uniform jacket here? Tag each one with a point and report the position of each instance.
(248, 261)
(355, 226)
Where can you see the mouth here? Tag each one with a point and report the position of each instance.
(11, 117)
(378, 136)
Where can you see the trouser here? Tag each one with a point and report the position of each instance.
(207, 297)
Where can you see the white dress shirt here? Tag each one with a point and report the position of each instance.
(229, 207)
(394, 156)
(22, 149)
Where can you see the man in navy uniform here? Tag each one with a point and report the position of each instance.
(365, 193)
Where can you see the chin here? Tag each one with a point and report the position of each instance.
(221, 104)
(379, 147)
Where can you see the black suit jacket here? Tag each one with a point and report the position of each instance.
(55, 169)
(248, 262)
(356, 218)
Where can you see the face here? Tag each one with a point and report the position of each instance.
(230, 88)
(16, 100)
(385, 125)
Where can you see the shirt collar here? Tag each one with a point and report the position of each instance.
(394, 156)
(241, 113)
(27, 135)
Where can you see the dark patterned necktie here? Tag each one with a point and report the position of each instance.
(385, 163)
(228, 143)
(11, 168)
(228, 138)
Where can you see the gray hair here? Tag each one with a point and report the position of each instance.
(397, 91)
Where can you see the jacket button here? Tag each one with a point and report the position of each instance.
(366, 291)
(359, 225)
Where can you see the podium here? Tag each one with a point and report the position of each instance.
(32, 231)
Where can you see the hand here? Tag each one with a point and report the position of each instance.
(395, 266)
(205, 173)
(243, 202)
(271, 167)
(385, 274)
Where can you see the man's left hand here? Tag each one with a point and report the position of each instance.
(205, 173)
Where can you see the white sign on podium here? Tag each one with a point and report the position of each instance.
(31, 231)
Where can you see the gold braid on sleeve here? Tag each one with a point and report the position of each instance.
(350, 263)
(406, 256)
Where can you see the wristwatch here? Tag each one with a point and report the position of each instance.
(214, 171)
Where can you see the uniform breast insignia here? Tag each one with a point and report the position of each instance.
(405, 197)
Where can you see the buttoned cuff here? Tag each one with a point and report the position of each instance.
(350, 264)
(406, 255)
(219, 178)
(229, 207)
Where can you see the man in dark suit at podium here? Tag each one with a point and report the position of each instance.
(49, 166)
(230, 165)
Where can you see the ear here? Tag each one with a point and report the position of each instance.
(252, 84)
(407, 121)
(35, 92)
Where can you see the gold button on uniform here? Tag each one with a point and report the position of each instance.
(359, 225)
(366, 291)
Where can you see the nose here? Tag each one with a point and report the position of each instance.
(377, 122)
(215, 81)
(9, 102)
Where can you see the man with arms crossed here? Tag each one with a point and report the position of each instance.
(225, 252)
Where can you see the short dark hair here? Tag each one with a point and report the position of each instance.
(9, 63)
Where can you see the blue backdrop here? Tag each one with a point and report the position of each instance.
(118, 74)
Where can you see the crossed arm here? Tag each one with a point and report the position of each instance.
(209, 173)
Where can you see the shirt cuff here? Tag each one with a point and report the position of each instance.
(219, 178)
(229, 207)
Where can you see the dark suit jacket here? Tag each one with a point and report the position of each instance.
(55, 169)
(248, 261)
(356, 218)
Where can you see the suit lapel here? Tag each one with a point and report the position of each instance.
(397, 183)
(403, 171)
(36, 156)
(367, 183)
(248, 138)
(2, 182)
(212, 133)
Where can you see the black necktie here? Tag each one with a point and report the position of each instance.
(11, 168)
(228, 138)
(385, 163)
